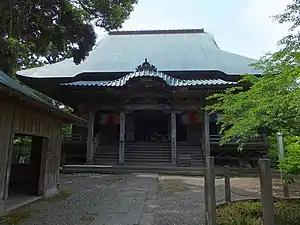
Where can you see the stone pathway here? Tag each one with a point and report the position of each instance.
(135, 199)
(129, 203)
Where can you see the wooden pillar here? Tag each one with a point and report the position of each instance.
(122, 137)
(173, 137)
(90, 138)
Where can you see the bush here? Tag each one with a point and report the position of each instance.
(250, 213)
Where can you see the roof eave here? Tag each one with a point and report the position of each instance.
(57, 113)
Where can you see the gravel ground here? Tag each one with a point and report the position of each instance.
(179, 202)
(88, 190)
(137, 199)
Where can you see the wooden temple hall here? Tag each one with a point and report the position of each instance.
(143, 94)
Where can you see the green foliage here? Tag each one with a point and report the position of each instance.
(269, 102)
(54, 29)
(66, 131)
(291, 162)
(250, 213)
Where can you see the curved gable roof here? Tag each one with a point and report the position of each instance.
(170, 81)
(177, 50)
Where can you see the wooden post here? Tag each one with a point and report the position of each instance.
(207, 153)
(266, 192)
(206, 134)
(122, 137)
(211, 191)
(227, 183)
(286, 191)
(90, 137)
(173, 138)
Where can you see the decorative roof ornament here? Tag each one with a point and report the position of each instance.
(146, 66)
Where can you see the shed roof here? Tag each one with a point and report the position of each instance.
(14, 86)
(169, 50)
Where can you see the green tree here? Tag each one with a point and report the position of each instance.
(270, 101)
(54, 29)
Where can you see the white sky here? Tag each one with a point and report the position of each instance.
(240, 26)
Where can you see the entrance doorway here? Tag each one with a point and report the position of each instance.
(151, 125)
(25, 168)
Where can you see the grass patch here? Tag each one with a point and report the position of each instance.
(17, 216)
(287, 212)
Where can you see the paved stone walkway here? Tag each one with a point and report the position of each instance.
(135, 199)
(129, 203)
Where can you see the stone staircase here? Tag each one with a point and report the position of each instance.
(107, 154)
(190, 154)
(149, 152)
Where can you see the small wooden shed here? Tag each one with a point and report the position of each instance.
(26, 116)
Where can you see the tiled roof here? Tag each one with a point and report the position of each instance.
(170, 81)
(168, 50)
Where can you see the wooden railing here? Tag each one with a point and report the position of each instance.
(258, 140)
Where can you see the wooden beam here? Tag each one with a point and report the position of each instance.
(147, 107)
(90, 141)
(122, 137)
(173, 137)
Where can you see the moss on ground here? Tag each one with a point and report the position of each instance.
(17, 216)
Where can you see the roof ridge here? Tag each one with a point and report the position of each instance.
(172, 31)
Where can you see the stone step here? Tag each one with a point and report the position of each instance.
(163, 168)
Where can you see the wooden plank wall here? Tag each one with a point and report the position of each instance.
(6, 114)
(15, 119)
